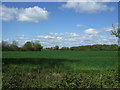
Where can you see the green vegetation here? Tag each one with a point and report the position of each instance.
(28, 46)
(36, 46)
(60, 69)
(116, 31)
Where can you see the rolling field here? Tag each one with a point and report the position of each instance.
(60, 69)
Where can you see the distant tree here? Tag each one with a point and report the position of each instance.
(28, 46)
(5, 46)
(56, 47)
(37, 47)
(13, 46)
(15, 42)
(64, 48)
(48, 48)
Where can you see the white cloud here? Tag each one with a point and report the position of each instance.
(91, 31)
(108, 29)
(111, 28)
(47, 37)
(80, 25)
(101, 30)
(21, 37)
(59, 37)
(87, 7)
(74, 39)
(89, 37)
(7, 14)
(68, 39)
(30, 14)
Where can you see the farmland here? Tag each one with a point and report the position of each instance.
(60, 69)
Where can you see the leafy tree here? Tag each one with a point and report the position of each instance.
(28, 46)
(64, 48)
(115, 31)
(37, 47)
(56, 47)
(13, 46)
(15, 42)
(48, 48)
(5, 46)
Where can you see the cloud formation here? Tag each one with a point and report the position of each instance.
(89, 36)
(87, 7)
(30, 14)
(74, 39)
(91, 31)
(80, 25)
(7, 14)
(34, 14)
(70, 39)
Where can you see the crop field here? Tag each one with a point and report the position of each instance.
(60, 69)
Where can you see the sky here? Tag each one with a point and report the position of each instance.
(64, 24)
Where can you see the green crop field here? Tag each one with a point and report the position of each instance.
(60, 69)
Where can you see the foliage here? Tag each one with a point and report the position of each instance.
(35, 79)
(115, 31)
(28, 46)
(65, 48)
(56, 47)
(14, 47)
(96, 47)
(91, 80)
(33, 46)
(37, 47)
(60, 69)
(5, 46)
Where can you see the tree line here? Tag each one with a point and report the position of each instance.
(35, 46)
(28, 46)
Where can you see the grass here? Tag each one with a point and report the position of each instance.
(66, 69)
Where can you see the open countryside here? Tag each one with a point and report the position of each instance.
(60, 45)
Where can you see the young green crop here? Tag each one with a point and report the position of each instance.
(66, 69)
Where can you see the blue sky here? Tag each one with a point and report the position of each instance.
(60, 23)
